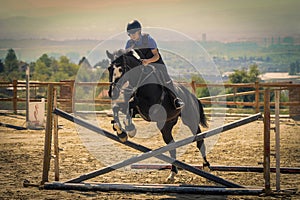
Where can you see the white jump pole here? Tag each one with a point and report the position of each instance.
(27, 94)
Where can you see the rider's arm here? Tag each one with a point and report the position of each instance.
(153, 59)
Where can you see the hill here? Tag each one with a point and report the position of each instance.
(227, 56)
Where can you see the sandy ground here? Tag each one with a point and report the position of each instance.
(21, 158)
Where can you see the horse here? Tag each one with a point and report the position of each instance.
(137, 89)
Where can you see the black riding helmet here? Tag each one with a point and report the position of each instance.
(133, 27)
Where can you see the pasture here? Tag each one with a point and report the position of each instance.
(22, 154)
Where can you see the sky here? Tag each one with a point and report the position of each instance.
(222, 20)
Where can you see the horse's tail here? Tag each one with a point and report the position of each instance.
(203, 120)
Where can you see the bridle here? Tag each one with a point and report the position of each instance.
(125, 68)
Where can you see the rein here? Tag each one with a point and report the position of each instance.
(141, 80)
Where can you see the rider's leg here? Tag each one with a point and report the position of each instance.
(178, 103)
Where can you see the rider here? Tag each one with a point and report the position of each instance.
(146, 47)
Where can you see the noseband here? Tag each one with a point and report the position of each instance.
(125, 68)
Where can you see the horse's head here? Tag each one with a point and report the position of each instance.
(121, 61)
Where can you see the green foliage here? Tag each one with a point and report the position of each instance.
(65, 69)
(288, 40)
(46, 60)
(44, 69)
(41, 71)
(294, 68)
(1, 66)
(11, 61)
(244, 76)
(50, 69)
(200, 92)
(207, 91)
(11, 67)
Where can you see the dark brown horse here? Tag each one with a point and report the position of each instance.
(137, 89)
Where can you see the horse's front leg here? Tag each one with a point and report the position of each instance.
(117, 125)
(127, 108)
(129, 126)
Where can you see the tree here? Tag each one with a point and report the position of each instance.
(292, 69)
(1, 66)
(288, 40)
(244, 76)
(11, 61)
(67, 67)
(63, 69)
(41, 71)
(46, 60)
(11, 68)
(253, 73)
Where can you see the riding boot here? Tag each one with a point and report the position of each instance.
(178, 103)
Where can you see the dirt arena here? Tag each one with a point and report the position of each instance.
(21, 154)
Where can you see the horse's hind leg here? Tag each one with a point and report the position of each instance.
(166, 131)
(202, 149)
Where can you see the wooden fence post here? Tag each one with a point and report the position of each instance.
(277, 138)
(48, 135)
(15, 96)
(256, 96)
(267, 141)
(55, 139)
(193, 85)
(27, 94)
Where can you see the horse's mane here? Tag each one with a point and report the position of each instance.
(120, 52)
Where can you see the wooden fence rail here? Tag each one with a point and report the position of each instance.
(15, 89)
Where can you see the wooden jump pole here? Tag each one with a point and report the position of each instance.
(283, 170)
(267, 141)
(153, 188)
(157, 152)
(48, 135)
(137, 147)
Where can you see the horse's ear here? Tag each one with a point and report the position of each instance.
(129, 52)
(109, 55)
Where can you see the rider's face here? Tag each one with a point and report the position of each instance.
(135, 36)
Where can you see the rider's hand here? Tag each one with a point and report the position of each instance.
(145, 62)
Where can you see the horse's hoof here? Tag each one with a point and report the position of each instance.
(171, 178)
(206, 164)
(131, 133)
(123, 136)
(124, 139)
(131, 130)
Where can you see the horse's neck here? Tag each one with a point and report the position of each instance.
(132, 61)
